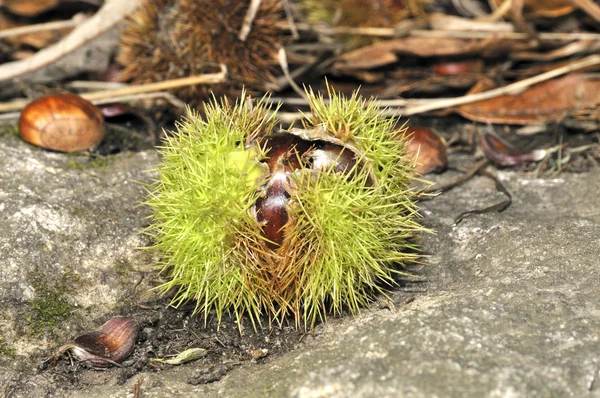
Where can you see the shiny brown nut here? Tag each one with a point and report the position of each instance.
(111, 344)
(271, 211)
(458, 68)
(429, 149)
(62, 122)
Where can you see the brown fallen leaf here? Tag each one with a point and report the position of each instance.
(504, 154)
(549, 101)
(386, 52)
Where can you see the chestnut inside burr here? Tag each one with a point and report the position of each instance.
(286, 153)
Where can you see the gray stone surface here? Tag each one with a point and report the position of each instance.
(509, 305)
(69, 228)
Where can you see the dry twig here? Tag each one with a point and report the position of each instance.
(43, 27)
(108, 16)
(112, 95)
(248, 19)
(513, 88)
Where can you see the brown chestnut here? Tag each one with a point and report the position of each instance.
(431, 150)
(271, 210)
(458, 68)
(286, 153)
(62, 122)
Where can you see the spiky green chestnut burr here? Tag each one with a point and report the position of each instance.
(304, 222)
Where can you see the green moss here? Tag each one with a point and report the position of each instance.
(123, 268)
(9, 129)
(80, 211)
(5, 349)
(90, 163)
(50, 307)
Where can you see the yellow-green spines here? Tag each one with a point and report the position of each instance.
(347, 232)
(201, 203)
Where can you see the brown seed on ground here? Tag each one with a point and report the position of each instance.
(62, 122)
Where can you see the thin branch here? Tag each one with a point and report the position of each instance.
(438, 189)
(248, 19)
(281, 55)
(591, 8)
(112, 12)
(44, 27)
(290, 18)
(543, 36)
(513, 88)
(209, 78)
(294, 101)
(94, 85)
(442, 33)
(498, 12)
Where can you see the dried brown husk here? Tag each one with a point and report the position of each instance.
(167, 39)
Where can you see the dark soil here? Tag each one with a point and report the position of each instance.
(165, 331)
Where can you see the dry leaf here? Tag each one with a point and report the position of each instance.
(549, 101)
(503, 154)
(386, 52)
(186, 356)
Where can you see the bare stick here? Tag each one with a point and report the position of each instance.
(248, 19)
(44, 27)
(291, 117)
(94, 85)
(407, 107)
(543, 36)
(109, 15)
(458, 34)
(293, 101)
(209, 78)
(281, 55)
(498, 13)
(173, 100)
(290, 18)
(591, 8)
(437, 189)
(513, 88)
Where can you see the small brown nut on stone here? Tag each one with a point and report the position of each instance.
(62, 122)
